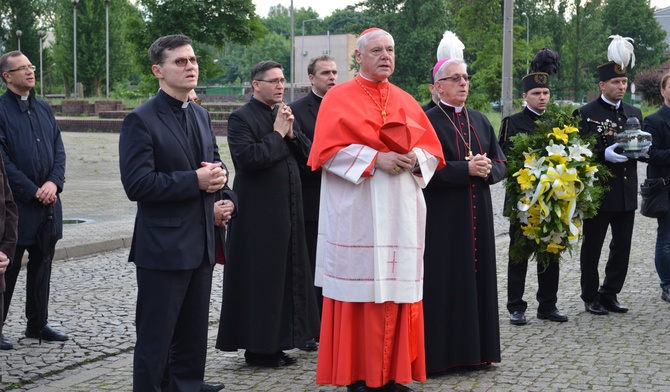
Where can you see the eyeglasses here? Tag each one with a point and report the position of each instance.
(276, 82)
(182, 61)
(23, 68)
(457, 78)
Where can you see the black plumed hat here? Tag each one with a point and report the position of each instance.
(545, 63)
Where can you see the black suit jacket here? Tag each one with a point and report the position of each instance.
(603, 119)
(174, 226)
(305, 110)
(658, 124)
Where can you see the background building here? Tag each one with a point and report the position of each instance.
(340, 46)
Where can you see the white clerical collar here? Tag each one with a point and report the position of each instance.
(371, 80)
(366, 78)
(539, 114)
(314, 92)
(616, 105)
(457, 109)
(24, 97)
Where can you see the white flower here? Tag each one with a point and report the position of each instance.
(535, 165)
(554, 236)
(579, 152)
(556, 149)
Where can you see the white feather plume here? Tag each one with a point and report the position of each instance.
(450, 47)
(621, 51)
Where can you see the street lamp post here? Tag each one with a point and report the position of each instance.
(41, 34)
(18, 37)
(74, 4)
(527, 39)
(292, 53)
(107, 45)
(302, 52)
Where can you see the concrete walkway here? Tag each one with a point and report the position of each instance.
(93, 295)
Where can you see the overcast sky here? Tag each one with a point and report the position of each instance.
(323, 7)
(660, 3)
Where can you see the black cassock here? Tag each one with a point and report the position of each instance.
(269, 302)
(460, 285)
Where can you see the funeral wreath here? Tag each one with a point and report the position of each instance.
(556, 184)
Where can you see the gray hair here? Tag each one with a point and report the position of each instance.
(443, 68)
(363, 39)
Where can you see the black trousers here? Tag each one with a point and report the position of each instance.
(595, 230)
(2, 317)
(171, 322)
(35, 259)
(547, 282)
(311, 235)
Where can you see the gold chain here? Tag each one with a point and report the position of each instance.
(467, 144)
(375, 101)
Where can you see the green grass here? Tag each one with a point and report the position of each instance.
(495, 118)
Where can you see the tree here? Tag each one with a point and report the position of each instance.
(635, 19)
(347, 21)
(415, 47)
(648, 83)
(274, 47)
(478, 24)
(91, 43)
(211, 22)
(23, 15)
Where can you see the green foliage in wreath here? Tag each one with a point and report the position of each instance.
(556, 183)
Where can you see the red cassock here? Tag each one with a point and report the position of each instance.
(374, 342)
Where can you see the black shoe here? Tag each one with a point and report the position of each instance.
(517, 317)
(399, 388)
(287, 360)
(310, 345)
(392, 386)
(268, 360)
(49, 334)
(613, 305)
(210, 387)
(263, 360)
(5, 344)
(665, 294)
(595, 308)
(358, 386)
(552, 315)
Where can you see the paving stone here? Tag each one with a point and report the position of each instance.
(93, 300)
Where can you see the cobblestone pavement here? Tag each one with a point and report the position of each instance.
(93, 295)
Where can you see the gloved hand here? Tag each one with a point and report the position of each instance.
(612, 156)
(644, 154)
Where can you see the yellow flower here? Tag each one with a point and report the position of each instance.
(535, 218)
(568, 129)
(562, 182)
(559, 134)
(525, 179)
(555, 248)
(531, 231)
